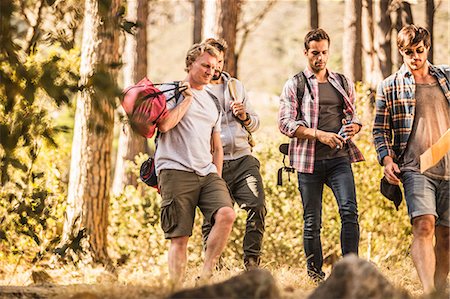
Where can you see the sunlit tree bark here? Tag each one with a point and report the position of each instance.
(210, 18)
(90, 170)
(135, 59)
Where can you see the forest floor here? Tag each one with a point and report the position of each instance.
(133, 281)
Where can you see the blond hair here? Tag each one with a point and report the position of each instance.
(220, 44)
(197, 50)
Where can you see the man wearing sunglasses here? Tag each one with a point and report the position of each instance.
(412, 113)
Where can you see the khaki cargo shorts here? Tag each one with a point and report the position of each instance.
(182, 192)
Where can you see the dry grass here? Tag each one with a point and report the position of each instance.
(142, 281)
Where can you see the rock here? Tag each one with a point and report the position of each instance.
(85, 295)
(354, 278)
(250, 284)
(41, 277)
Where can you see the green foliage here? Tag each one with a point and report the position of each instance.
(32, 85)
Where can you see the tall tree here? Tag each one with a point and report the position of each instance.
(198, 20)
(313, 14)
(352, 45)
(90, 178)
(135, 68)
(429, 23)
(369, 54)
(404, 17)
(228, 20)
(383, 35)
(210, 18)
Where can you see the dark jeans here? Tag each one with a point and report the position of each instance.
(336, 174)
(246, 187)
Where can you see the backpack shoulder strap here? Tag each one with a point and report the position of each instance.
(344, 82)
(302, 83)
(215, 100)
(300, 79)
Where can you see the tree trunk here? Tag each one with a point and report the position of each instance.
(135, 56)
(429, 23)
(198, 20)
(209, 19)
(352, 45)
(383, 34)
(229, 15)
(90, 179)
(313, 14)
(369, 55)
(403, 17)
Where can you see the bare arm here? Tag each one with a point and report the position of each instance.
(176, 114)
(331, 139)
(217, 152)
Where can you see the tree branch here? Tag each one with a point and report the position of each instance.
(252, 24)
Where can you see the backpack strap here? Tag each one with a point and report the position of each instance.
(302, 83)
(344, 83)
(215, 100)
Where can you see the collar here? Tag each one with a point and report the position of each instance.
(405, 72)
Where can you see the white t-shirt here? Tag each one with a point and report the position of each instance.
(187, 146)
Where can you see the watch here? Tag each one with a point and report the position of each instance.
(247, 118)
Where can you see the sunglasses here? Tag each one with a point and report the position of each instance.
(410, 52)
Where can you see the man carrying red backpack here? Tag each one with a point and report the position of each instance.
(189, 165)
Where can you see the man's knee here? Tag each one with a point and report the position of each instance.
(424, 226)
(349, 216)
(225, 216)
(179, 243)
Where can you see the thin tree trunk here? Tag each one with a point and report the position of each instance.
(314, 14)
(210, 19)
(229, 14)
(368, 42)
(403, 17)
(429, 23)
(383, 35)
(90, 179)
(352, 44)
(198, 20)
(135, 56)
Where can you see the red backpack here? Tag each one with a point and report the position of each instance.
(145, 105)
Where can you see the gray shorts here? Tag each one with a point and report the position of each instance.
(182, 192)
(427, 196)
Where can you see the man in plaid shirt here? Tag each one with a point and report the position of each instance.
(320, 155)
(412, 112)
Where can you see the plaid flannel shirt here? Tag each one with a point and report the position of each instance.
(395, 110)
(302, 151)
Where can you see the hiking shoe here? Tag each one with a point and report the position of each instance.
(251, 263)
(316, 275)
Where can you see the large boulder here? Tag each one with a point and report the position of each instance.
(355, 278)
(251, 284)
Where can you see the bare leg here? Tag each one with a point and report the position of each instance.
(442, 256)
(217, 240)
(422, 250)
(177, 259)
